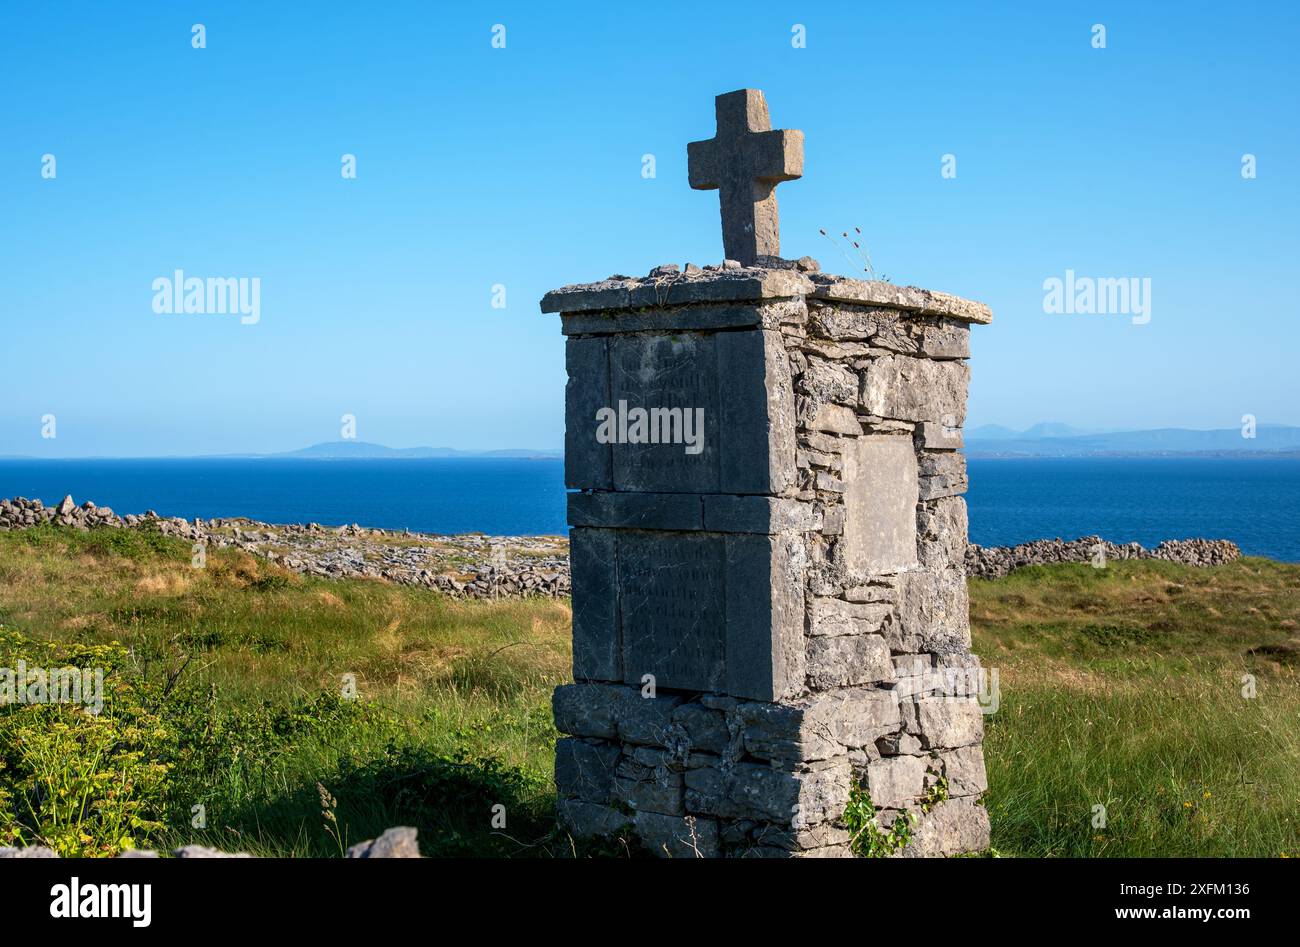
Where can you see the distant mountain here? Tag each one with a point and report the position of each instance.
(988, 432)
(341, 450)
(1269, 438)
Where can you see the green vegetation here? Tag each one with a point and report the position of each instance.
(1125, 687)
(228, 696)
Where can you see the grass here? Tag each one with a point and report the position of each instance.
(1124, 688)
(230, 705)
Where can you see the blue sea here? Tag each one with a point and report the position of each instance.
(1254, 502)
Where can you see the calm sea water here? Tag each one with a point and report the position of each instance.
(1255, 502)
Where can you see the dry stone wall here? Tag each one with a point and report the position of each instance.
(773, 623)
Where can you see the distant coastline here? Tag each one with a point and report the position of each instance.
(984, 441)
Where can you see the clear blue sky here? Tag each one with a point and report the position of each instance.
(522, 166)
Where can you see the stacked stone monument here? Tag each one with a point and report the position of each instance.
(769, 602)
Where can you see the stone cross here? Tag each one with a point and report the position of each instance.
(744, 162)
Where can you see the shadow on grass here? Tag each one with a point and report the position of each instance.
(461, 806)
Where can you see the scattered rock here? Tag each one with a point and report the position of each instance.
(397, 842)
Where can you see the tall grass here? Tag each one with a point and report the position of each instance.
(1120, 688)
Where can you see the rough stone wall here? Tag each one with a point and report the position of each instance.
(760, 629)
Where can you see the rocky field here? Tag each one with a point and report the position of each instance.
(475, 565)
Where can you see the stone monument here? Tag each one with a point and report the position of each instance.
(770, 629)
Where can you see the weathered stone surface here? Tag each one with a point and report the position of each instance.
(895, 782)
(675, 511)
(898, 744)
(587, 710)
(693, 413)
(585, 769)
(704, 728)
(649, 788)
(949, 723)
(744, 162)
(880, 505)
(587, 462)
(676, 836)
(832, 418)
(676, 375)
(942, 474)
(725, 513)
(935, 435)
(832, 616)
(597, 647)
(911, 298)
(830, 383)
(752, 791)
(684, 318)
(757, 405)
(398, 842)
(689, 618)
(848, 660)
(952, 827)
(588, 820)
(712, 286)
(941, 527)
(673, 609)
(889, 330)
(933, 613)
(964, 770)
(765, 653)
(916, 389)
(647, 720)
(785, 732)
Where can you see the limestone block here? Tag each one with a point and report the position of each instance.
(676, 836)
(732, 285)
(942, 532)
(587, 820)
(712, 612)
(726, 513)
(949, 723)
(649, 788)
(933, 612)
(832, 616)
(585, 770)
(753, 791)
(667, 373)
(935, 435)
(848, 660)
(880, 501)
(830, 382)
(731, 391)
(832, 418)
(684, 318)
(953, 827)
(705, 729)
(647, 720)
(915, 389)
(679, 511)
(895, 782)
(942, 474)
(597, 651)
(964, 770)
(587, 710)
(910, 300)
(587, 463)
